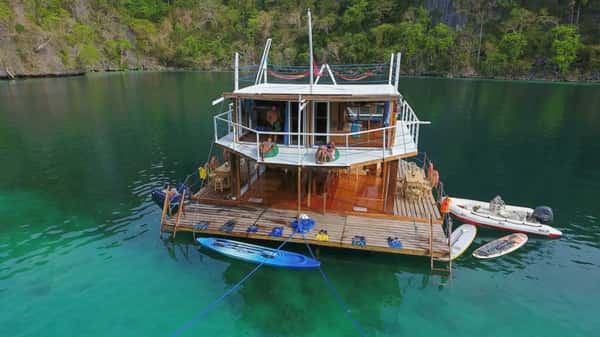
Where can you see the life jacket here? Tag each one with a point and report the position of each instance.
(201, 173)
(445, 207)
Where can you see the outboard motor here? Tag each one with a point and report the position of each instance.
(543, 214)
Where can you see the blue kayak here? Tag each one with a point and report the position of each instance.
(258, 254)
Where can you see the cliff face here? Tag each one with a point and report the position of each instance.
(444, 11)
(519, 39)
(53, 41)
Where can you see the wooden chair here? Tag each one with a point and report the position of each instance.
(218, 183)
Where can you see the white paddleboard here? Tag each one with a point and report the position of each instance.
(460, 240)
(501, 246)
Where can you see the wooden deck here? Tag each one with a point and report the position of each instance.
(421, 208)
(347, 193)
(414, 235)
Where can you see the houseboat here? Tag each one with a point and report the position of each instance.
(336, 143)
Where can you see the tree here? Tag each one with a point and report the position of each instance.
(564, 46)
(439, 41)
(482, 12)
(513, 45)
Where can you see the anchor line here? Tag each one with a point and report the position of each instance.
(231, 290)
(335, 293)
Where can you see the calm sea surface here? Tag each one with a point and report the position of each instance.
(80, 253)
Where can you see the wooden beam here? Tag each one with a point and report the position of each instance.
(309, 188)
(299, 190)
(237, 175)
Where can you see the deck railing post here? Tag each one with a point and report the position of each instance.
(417, 137)
(383, 147)
(257, 146)
(215, 126)
(237, 71)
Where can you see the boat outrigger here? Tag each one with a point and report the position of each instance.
(339, 143)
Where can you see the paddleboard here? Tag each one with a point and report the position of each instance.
(460, 240)
(258, 254)
(501, 246)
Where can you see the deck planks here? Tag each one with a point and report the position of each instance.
(422, 209)
(414, 235)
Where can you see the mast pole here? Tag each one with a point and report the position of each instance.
(237, 71)
(310, 47)
(398, 61)
(391, 67)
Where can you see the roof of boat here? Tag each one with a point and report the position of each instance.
(358, 90)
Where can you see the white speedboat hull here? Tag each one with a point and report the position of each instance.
(474, 212)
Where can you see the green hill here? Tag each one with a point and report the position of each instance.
(507, 39)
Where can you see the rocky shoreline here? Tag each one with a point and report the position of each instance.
(6, 74)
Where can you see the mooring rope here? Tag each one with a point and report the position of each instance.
(335, 293)
(209, 307)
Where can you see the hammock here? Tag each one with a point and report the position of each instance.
(294, 76)
(357, 78)
(287, 76)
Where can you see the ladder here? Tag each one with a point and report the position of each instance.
(434, 261)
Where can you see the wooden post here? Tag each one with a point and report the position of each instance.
(237, 169)
(309, 188)
(299, 189)
(164, 214)
(450, 246)
(235, 120)
(431, 243)
(179, 211)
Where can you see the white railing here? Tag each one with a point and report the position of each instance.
(410, 120)
(407, 115)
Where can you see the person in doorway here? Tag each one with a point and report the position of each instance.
(274, 121)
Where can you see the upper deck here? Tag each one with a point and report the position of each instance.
(356, 109)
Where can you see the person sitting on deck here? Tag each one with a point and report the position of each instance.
(331, 151)
(214, 163)
(266, 147)
(326, 153)
(321, 155)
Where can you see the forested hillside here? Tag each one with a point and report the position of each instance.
(496, 38)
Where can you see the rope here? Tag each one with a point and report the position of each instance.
(335, 293)
(209, 307)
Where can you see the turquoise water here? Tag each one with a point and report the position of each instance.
(80, 253)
